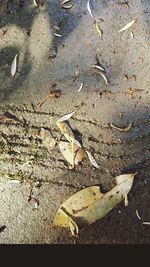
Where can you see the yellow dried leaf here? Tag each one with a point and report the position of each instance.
(67, 132)
(68, 151)
(99, 30)
(80, 155)
(89, 205)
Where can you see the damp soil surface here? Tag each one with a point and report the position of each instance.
(34, 180)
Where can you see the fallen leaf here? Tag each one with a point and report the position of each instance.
(122, 129)
(127, 26)
(98, 67)
(14, 66)
(99, 30)
(68, 151)
(89, 205)
(58, 35)
(89, 9)
(35, 3)
(47, 139)
(132, 36)
(66, 7)
(67, 116)
(80, 155)
(137, 214)
(67, 132)
(148, 223)
(104, 77)
(65, 1)
(80, 88)
(92, 160)
(126, 202)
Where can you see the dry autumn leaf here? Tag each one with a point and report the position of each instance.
(80, 155)
(89, 205)
(67, 132)
(68, 151)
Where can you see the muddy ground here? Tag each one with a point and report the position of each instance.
(45, 59)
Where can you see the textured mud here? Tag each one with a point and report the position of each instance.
(45, 59)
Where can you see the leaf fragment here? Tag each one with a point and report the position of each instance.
(148, 223)
(72, 225)
(89, 9)
(98, 67)
(67, 6)
(35, 3)
(67, 132)
(104, 77)
(14, 66)
(99, 30)
(65, 1)
(73, 228)
(80, 88)
(92, 160)
(126, 202)
(128, 25)
(58, 35)
(68, 151)
(137, 214)
(126, 129)
(132, 36)
(80, 155)
(89, 205)
(67, 116)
